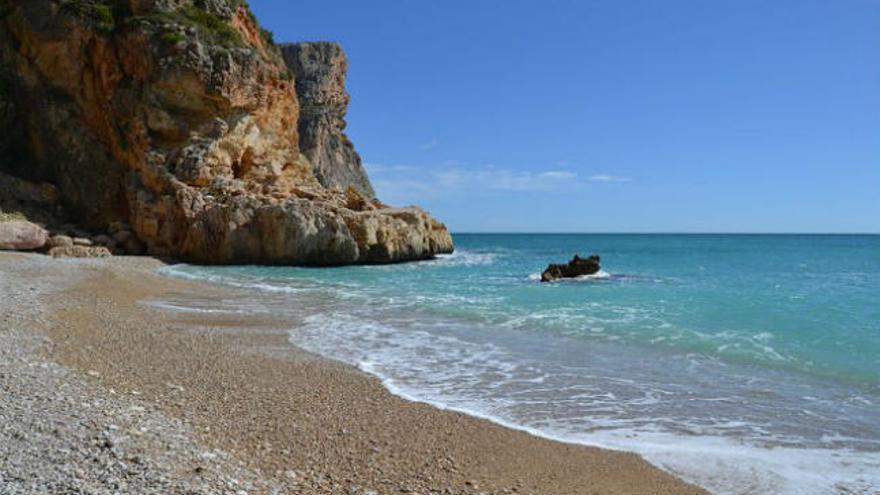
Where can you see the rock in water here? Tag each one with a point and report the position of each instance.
(577, 267)
(22, 235)
(181, 120)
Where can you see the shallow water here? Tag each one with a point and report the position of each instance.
(748, 364)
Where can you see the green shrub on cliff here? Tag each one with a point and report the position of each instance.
(267, 36)
(104, 16)
(99, 13)
(171, 38)
(211, 27)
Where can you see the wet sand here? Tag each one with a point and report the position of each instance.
(309, 424)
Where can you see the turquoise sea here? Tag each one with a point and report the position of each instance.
(749, 364)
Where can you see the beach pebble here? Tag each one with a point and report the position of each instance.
(60, 433)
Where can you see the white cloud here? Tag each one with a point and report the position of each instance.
(607, 178)
(557, 174)
(491, 177)
(405, 183)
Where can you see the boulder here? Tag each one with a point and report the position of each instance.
(59, 241)
(80, 252)
(20, 235)
(577, 267)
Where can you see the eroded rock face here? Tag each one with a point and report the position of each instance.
(179, 119)
(319, 70)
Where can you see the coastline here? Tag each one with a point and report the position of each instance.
(302, 423)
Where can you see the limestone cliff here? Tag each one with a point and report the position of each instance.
(181, 119)
(319, 71)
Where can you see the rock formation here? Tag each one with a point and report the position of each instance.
(17, 234)
(319, 71)
(180, 119)
(577, 267)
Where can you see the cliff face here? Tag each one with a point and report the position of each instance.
(319, 71)
(181, 119)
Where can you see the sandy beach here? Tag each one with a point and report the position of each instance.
(227, 405)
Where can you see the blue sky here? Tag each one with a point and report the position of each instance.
(613, 116)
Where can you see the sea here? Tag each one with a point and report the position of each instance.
(747, 364)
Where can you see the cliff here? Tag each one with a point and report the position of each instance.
(181, 120)
(319, 71)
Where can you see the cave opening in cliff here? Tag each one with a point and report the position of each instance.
(244, 165)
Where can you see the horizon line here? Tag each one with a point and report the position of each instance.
(658, 233)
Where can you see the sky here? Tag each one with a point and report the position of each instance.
(613, 115)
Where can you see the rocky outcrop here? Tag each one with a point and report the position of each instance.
(319, 71)
(577, 267)
(179, 119)
(22, 235)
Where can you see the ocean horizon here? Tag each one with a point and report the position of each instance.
(746, 363)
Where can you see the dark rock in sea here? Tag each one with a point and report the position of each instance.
(575, 268)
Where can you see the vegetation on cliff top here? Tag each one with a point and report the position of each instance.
(108, 15)
(210, 26)
(98, 12)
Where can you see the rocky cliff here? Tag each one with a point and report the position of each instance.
(319, 71)
(181, 119)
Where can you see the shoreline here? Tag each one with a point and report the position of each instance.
(306, 423)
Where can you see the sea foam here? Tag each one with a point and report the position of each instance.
(453, 374)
